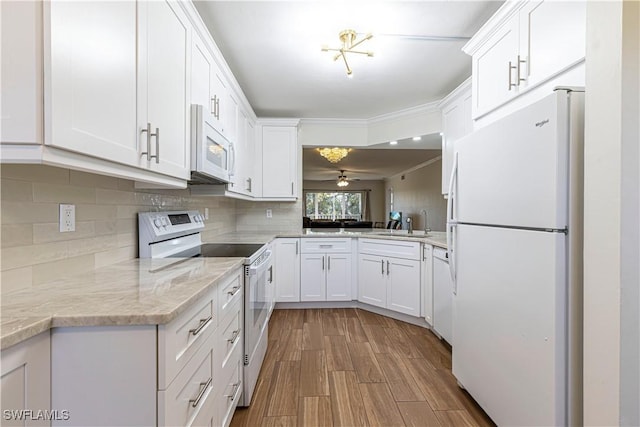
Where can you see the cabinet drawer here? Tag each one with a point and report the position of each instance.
(229, 336)
(390, 248)
(321, 245)
(230, 391)
(230, 292)
(192, 392)
(180, 339)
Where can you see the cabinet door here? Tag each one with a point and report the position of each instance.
(427, 283)
(313, 277)
(492, 75)
(338, 277)
(21, 75)
(26, 379)
(403, 287)
(165, 38)
(442, 300)
(287, 270)
(201, 71)
(279, 161)
(219, 98)
(552, 38)
(92, 79)
(372, 280)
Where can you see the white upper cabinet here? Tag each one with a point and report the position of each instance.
(524, 45)
(92, 78)
(163, 87)
(202, 70)
(280, 161)
(456, 123)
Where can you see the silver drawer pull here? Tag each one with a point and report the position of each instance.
(205, 386)
(236, 386)
(203, 323)
(233, 291)
(326, 246)
(234, 336)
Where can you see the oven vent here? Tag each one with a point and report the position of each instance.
(246, 270)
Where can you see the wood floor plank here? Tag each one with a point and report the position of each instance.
(294, 318)
(252, 416)
(290, 347)
(314, 380)
(433, 387)
(338, 357)
(369, 318)
(312, 336)
(418, 414)
(379, 405)
(455, 419)
(313, 315)
(346, 400)
(401, 383)
(270, 359)
(315, 411)
(350, 313)
(278, 422)
(401, 344)
(333, 324)
(365, 363)
(379, 340)
(354, 331)
(283, 394)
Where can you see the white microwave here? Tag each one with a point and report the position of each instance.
(212, 155)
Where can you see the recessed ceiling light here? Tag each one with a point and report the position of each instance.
(393, 142)
(441, 134)
(417, 138)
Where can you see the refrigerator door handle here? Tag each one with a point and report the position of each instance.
(451, 222)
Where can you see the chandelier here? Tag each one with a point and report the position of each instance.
(335, 154)
(348, 40)
(342, 180)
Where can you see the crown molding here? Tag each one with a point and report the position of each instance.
(502, 15)
(429, 107)
(274, 121)
(335, 122)
(461, 89)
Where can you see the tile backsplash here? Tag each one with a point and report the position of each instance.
(34, 251)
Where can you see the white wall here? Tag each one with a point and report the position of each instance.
(420, 189)
(611, 252)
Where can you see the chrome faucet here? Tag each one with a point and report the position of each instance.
(426, 229)
(409, 225)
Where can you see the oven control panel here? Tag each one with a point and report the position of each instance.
(161, 226)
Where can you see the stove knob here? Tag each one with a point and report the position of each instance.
(200, 218)
(164, 221)
(196, 219)
(157, 223)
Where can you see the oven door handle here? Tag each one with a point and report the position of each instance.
(254, 269)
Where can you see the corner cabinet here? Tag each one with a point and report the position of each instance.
(456, 123)
(26, 381)
(389, 275)
(280, 159)
(524, 45)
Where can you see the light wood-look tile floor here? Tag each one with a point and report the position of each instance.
(350, 367)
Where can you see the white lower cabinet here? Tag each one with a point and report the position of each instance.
(442, 295)
(187, 372)
(427, 283)
(325, 270)
(391, 282)
(26, 381)
(287, 270)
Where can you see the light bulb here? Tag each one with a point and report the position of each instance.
(417, 138)
(393, 142)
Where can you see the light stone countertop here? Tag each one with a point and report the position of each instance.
(136, 292)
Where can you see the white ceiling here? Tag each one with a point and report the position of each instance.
(273, 49)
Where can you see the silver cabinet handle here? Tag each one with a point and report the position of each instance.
(519, 79)
(382, 264)
(323, 262)
(217, 108)
(328, 262)
(205, 386)
(148, 132)
(511, 67)
(214, 106)
(387, 267)
(271, 274)
(292, 188)
(233, 291)
(157, 155)
(236, 386)
(203, 323)
(296, 247)
(234, 336)
(249, 185)
(326, 246)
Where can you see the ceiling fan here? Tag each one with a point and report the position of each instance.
(342, 180)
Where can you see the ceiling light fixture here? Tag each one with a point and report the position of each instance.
(335, 154)
(348, 40)
(417, 138)
(342, 180)
(393, 142)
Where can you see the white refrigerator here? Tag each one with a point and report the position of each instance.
(515, 242)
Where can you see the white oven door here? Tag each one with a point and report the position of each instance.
(257, 304)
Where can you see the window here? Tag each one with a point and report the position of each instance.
(333, 205)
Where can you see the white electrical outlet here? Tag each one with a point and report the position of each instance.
(269, 213)
(67, 218)
(206, 213)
